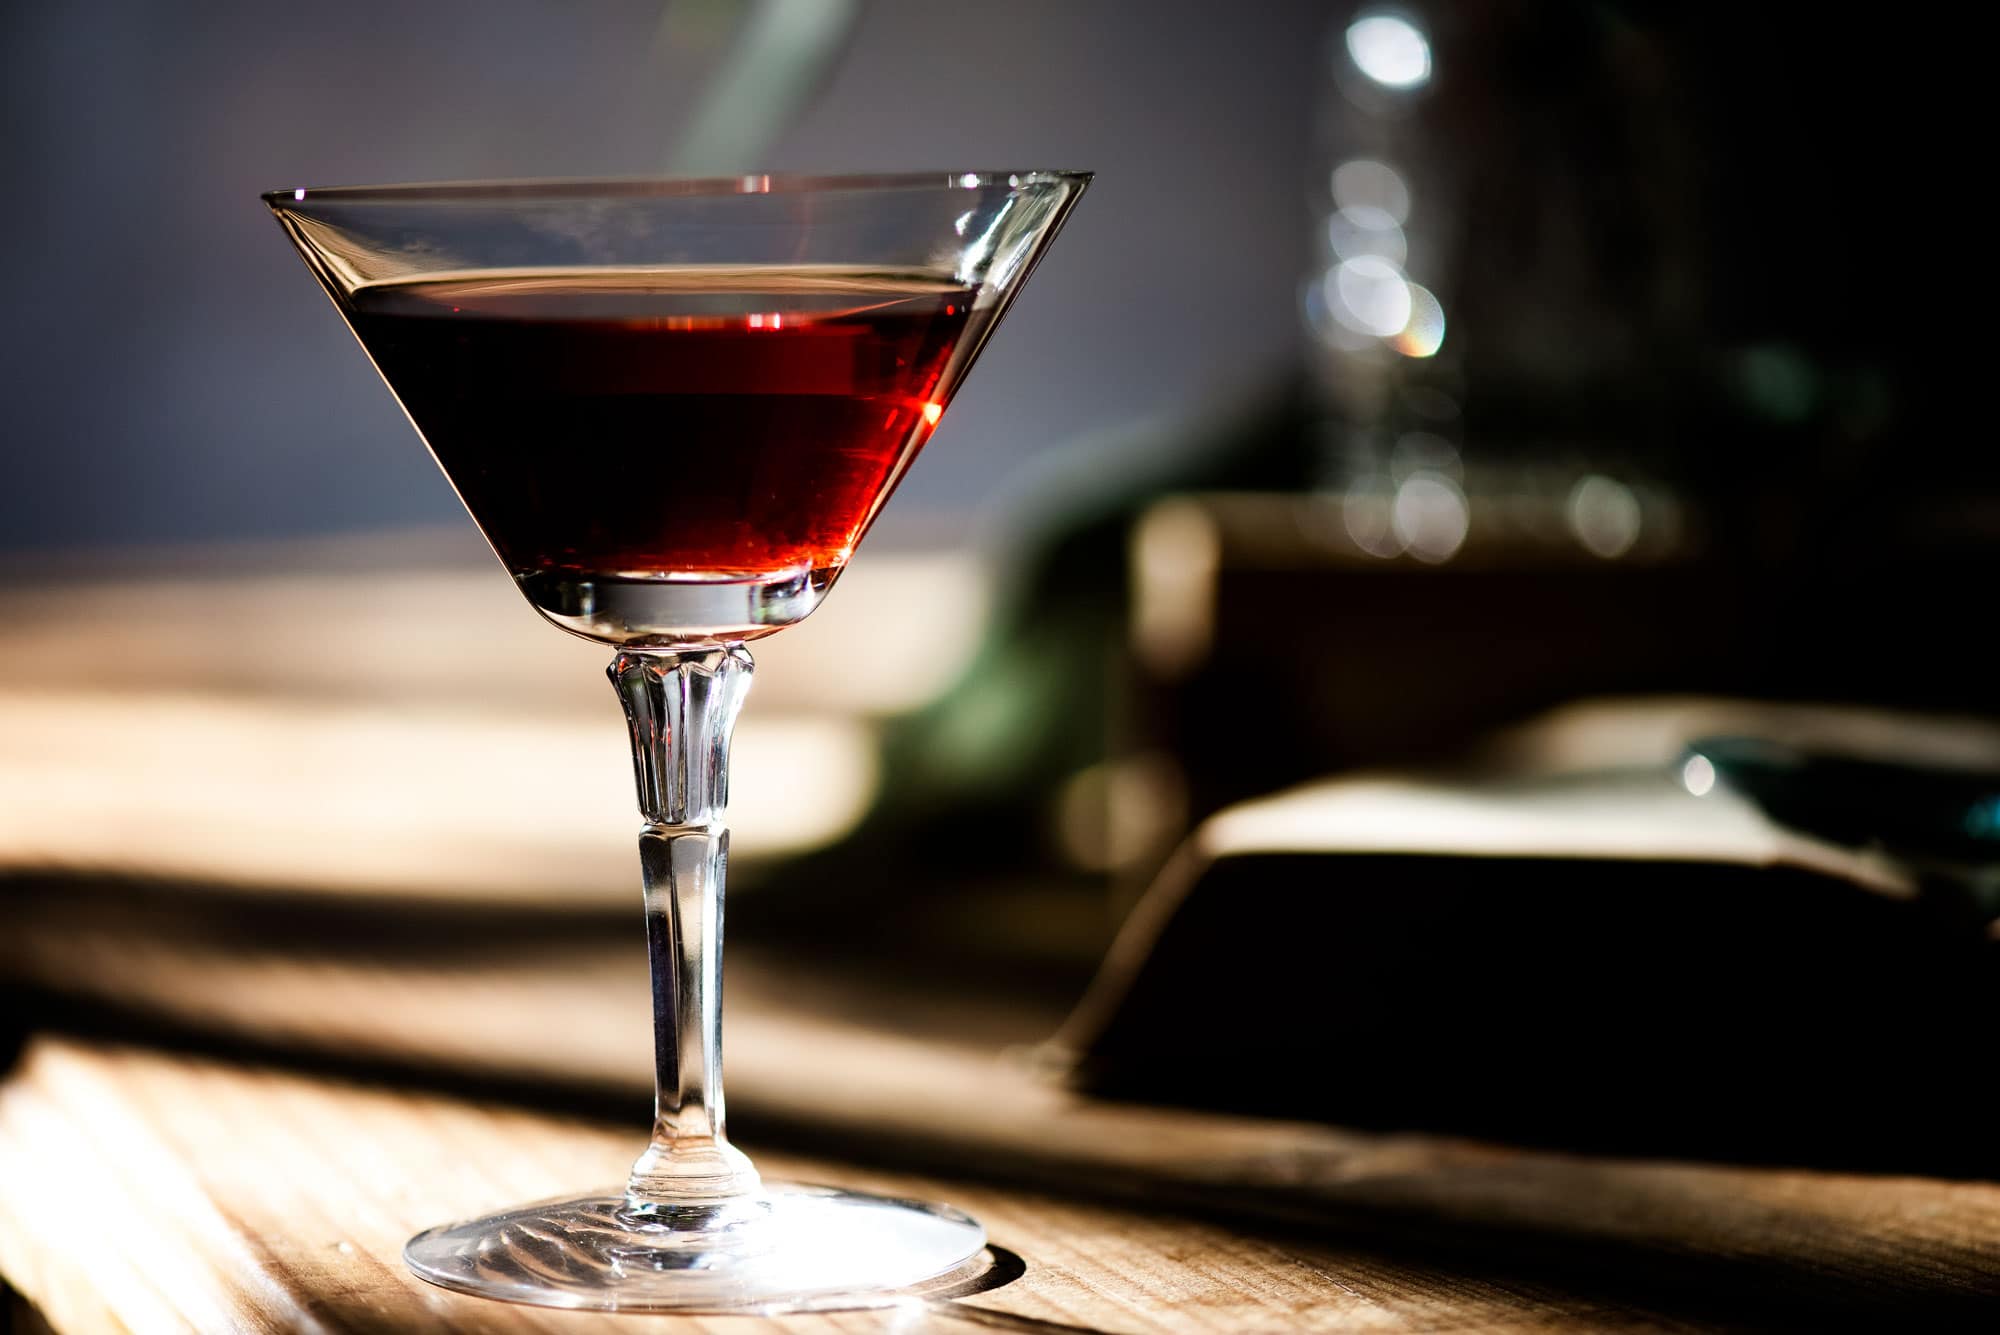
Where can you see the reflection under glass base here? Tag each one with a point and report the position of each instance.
(787, 1247)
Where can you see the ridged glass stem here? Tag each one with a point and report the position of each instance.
(682, 707)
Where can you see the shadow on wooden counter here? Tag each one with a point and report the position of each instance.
(521, 1016)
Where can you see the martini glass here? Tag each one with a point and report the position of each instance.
(674, 408)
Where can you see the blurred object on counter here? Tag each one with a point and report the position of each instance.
(1626, 959)
(1627, 731)
(296, 717)
(1364, 660)
(1941, 821)
(1595, 397)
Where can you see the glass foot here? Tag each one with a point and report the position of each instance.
(788, 1247)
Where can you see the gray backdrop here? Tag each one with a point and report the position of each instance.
(172, 373)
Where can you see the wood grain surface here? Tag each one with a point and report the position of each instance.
(143, 1190)
(868, 1082)
(148, 1192)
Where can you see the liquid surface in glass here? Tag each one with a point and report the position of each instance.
(708, 422)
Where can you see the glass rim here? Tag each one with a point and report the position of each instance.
(642, 187)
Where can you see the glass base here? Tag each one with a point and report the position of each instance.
(789, 1247)
(675, 610)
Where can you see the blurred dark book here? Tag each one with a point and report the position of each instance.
(1602, 962)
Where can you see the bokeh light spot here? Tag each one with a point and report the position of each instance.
(1431, 517)
(1365, 183)
(1389, 49)
(1604, 515)
(1369, 294)
(1363, 229)
(1698, 775)
(1422, 333)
